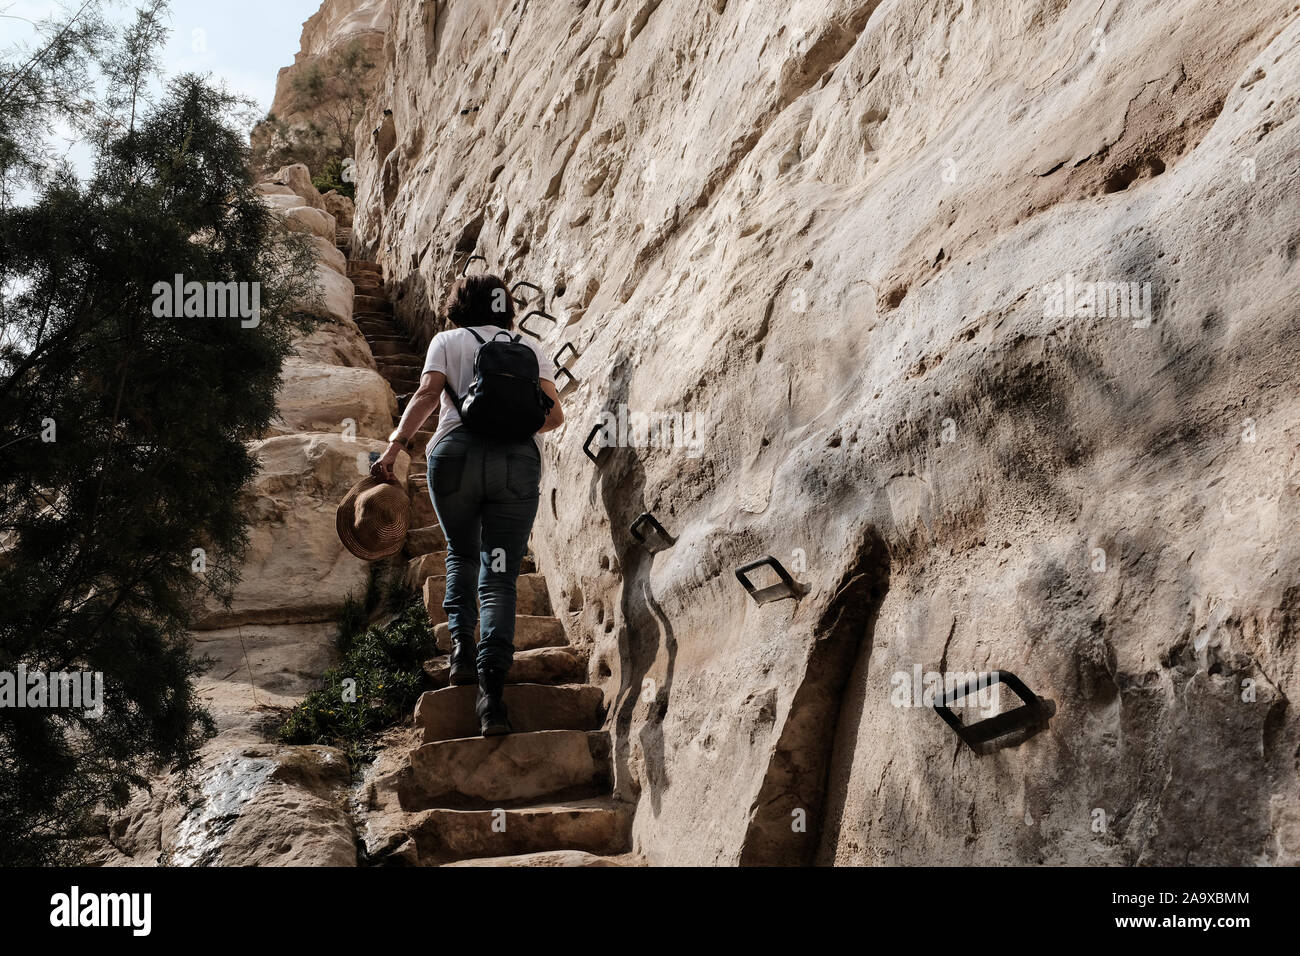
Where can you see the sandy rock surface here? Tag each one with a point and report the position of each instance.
(979, 318)
(836, 237)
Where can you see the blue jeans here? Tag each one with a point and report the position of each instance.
(485, 493)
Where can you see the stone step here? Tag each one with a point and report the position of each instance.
(547, 858)
(422, 514)
(423, 540)
(371, 303)
(420, 443)
(490, 772)
(403, 388)
(432, 593)
(448, 714)
(531, 630)
(364, 265)
(394, 370)
(398, 370)
(371, 332)
(383, 318)
(402, 364)
(541, 665)
(531, 597)
(590, 826)
(418, 569)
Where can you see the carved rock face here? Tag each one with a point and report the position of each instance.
(986, 291)
(984, 320)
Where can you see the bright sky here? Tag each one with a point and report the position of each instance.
(241, 41)
(245, 42)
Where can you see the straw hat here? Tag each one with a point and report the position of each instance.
(372, 519)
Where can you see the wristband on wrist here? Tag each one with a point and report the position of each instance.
(397, 439)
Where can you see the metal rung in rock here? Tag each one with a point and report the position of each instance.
(981, 736)
(787, 587)
(471, 259)
(586, 446)
(519, 301)
(524, 320)
(648, 518)
(559, 356)
(567, 374)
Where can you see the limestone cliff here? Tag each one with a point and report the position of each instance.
(980, 318)
(254, 802)
(337, 25)
(853, 243)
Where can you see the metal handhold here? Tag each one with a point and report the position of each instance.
(648, 518)
(982, 736)
(787, 587)
(586, 446)
(559, 362)
(525, 319)
(567, 374)
(519, 301)
(471, 259)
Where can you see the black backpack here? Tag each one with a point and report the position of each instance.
(505, 400)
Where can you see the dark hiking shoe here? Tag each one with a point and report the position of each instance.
(463, 668)
(490, 705)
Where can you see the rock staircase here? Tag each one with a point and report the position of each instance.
(539, 796)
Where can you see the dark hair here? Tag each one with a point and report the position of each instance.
(479, 300)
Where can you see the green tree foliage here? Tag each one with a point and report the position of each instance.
(331, 177)
(123, 430)
(48, 86)
(384, 666)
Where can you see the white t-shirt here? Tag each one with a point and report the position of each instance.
(452, 353)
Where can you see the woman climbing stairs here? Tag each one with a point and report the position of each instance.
(540, 795)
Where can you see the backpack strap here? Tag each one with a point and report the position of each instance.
(455, 399)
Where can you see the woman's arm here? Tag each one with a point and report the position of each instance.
(418, 409)
(555, 417)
